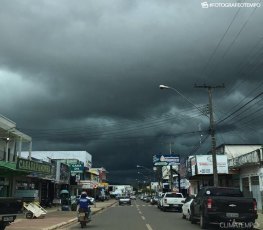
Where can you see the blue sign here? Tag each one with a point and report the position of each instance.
(166, 159)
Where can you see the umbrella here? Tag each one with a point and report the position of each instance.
(64, 191)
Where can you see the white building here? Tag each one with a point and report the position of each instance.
(121, 189)
(83, 156)
(244, 166)
(250, 172)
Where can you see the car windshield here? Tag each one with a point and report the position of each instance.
(173, 195)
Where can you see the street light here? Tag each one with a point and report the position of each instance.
(178, 92)
(215, 174)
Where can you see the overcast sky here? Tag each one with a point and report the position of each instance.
(85, 75)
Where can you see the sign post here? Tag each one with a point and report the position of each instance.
(167, 160)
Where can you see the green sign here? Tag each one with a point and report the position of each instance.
(76, 168)
(33, 166)
(164, 163)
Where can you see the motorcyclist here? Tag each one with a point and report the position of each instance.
(84, 204)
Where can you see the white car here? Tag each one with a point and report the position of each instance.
(124, 200)
(186, 207)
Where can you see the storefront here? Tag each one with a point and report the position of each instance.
(8, 172)
(34, 185)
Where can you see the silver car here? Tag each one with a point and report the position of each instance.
(124, 200)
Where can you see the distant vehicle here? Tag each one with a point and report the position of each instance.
(124, 200)
(147, 198)
(186, 207)
(133, 197)
(154, 200)
(223, 205)
(172, 201)
(159, 200)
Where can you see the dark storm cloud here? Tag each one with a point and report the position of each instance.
(85, 75)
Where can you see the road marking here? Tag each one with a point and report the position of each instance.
(140, 212)
(149, 227)
(143, 217)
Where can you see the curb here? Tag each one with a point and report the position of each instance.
(75, 219)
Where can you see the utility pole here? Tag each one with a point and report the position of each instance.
(171, 170)
(212, 128)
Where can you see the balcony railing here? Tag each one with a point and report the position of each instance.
(252, 158)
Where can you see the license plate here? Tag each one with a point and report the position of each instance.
(232, 215)
(82, 214)
(8, 218)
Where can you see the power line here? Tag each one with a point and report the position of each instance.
(236, 37)
(239, 108)
(219, 43)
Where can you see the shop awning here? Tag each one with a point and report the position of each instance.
(10, 168)
(8, 165)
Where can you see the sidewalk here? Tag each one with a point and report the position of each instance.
(55, 218)
(259, 221)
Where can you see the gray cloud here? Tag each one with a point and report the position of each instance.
(86, 76)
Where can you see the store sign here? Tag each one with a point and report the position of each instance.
(193, 166)
(33, 166)
(166, 159)
(205, 164)
(87, 184)
(76, 168)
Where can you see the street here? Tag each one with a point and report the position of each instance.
(139, 216)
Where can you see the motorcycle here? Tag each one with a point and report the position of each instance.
(84, 217)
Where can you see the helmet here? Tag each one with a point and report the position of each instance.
(83, 194)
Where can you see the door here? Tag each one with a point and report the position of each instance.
(245, 187)
(256, 191)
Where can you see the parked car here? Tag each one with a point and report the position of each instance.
(154, 200)
(147, 199)
(124, 200)
(223, 205)
(159, 200)
(186, 207)
(172, 201)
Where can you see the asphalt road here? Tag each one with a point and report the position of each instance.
(138, 216)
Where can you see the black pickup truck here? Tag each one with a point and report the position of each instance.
(224, 206)
(9, 209)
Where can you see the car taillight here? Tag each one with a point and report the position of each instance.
(209, 203)
(165, 200)
(254, 205)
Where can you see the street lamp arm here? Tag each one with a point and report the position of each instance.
(178, 92)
